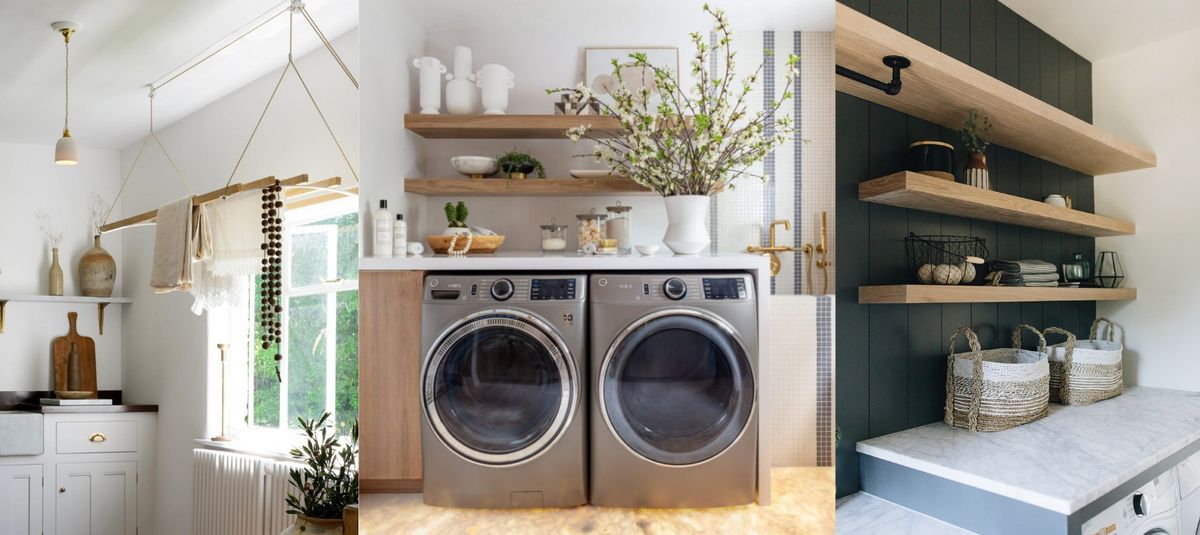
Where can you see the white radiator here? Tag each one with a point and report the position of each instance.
(237, 494)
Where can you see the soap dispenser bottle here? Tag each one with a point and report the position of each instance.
(400, 237)
(382, 230)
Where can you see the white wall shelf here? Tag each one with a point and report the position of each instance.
(100, 302)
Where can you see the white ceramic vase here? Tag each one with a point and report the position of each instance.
(462, 95)
(430, 83)
(687, 223)
(495, 80)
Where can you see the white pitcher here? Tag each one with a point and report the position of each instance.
(431, 83)
(495, 80)
(462, 95)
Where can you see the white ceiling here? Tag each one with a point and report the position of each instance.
(126, 44)
(524, 17)
(1098, 29)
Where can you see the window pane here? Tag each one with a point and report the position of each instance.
(309, 258)
(265, 409)
(346, 397)
(306, 357)
(347, 243)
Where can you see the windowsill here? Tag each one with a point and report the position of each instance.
(257, 448)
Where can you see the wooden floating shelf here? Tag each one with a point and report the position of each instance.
(532, 187)
(940, 89)
(923, 192)
(100, 302)
(442, 126)
(931, 293)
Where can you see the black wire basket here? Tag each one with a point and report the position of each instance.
(942, 259)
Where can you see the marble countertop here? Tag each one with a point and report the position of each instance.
(536, 260)
(863, 514)
(800, 503)
(1061, 462)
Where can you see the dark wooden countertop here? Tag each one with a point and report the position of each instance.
(29, 401)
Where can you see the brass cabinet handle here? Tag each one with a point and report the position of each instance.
(97, 437)
(62, 490)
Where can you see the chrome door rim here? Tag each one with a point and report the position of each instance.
(543, 334)
(620, 339)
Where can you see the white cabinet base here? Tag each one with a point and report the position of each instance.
(21, 499)
(96, 498)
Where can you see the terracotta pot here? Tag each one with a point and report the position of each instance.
(315, 526)
(56, 275)
(975, 172)
(97, 272)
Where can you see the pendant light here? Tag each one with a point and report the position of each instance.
(66, 152)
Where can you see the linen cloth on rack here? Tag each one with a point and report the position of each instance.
(233, 254)
(171, 269)
(1026, 272)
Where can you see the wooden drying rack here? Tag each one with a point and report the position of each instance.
(300, 193)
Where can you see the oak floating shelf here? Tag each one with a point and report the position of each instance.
(100, 302)
(932, 293)
(940, 89)
(923, 192)
(443, 126)
(532, 187)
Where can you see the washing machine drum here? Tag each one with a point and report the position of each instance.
(499, 387)
(677, 388)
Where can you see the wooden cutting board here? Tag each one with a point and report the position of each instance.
(61, 351)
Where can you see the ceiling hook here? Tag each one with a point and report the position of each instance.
(891, 88)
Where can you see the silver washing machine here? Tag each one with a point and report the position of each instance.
(1152, 509)
(674, 361)
(1189, 495)
(503, 422)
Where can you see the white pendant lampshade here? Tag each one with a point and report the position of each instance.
(65, 151)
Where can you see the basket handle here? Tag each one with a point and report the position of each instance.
(1016, 337)
(1064, 393)
(976, 379)
(1108, 329)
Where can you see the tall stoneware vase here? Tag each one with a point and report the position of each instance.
(97, 271)
(687, 223)
(315, 526)
(56, 275)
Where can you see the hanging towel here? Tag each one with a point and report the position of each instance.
(237, 236)
(172, 263)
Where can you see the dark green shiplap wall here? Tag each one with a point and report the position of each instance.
(891, 359)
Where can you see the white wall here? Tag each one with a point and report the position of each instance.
(32, 183)
(170, 356)
(1145, 96)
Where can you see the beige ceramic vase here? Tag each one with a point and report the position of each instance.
(315, 526)
(97, 272)
(56, 275)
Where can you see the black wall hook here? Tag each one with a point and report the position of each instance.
(891, 88)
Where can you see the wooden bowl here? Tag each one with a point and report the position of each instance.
(74, 394)
(479, 244)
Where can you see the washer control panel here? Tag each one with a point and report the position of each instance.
(552, 289)
(724, 287)
(668, 287)
(452, 289)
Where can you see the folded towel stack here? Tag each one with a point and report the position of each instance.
(1026, 273)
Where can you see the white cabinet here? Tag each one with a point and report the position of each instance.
(96, 498)
(21, 499)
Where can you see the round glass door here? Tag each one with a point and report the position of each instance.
(677, 387)
(499, 387)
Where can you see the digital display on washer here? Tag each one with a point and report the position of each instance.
(552, 289)
(725, 288)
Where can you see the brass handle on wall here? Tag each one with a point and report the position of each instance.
(97, 437)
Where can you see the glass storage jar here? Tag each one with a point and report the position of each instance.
(554, 237)
(617, 227)
(591, 231)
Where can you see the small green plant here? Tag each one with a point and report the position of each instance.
(456, 215)
(974, 129)
(515, 161)
(328, 482)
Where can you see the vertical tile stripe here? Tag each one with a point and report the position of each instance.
(824, 380)
(798, 191)
(768, 132)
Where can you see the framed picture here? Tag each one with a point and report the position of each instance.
(598, 68)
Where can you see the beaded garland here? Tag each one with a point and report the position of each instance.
(271, 308)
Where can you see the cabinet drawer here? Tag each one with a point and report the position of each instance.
(96, 437)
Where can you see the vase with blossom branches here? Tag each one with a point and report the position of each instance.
(690, 143)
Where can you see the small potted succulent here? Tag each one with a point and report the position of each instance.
(517, 165)
(328, 481)
(456, 218)
(974, 128)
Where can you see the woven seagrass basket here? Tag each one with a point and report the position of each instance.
(996, 389)
(1093, 368)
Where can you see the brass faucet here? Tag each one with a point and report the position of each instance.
(772, 249)
(822, 249)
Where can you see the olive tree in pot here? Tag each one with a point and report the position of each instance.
(327, 483)
(689, 144)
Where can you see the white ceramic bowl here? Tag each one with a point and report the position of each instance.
(646, 249)
(474, 166)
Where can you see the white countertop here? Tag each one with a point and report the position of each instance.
(863, 514)
(538, 261)
(1061, 462)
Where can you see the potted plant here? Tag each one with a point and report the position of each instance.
(974, 128)
(690, 144)
(517, 165)
(328, 482)
(456, 218)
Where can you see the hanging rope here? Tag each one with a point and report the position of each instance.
(256, 125)
(182, 179)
